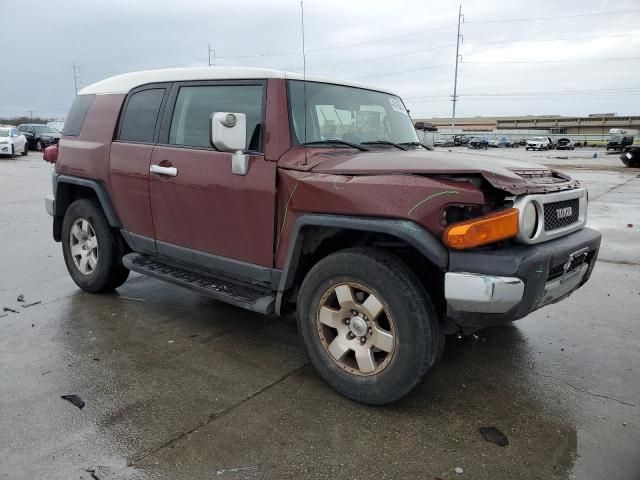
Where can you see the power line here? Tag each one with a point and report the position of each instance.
(530, 19)
(551, 39)
(577, 60)
(398, 72)
(624, 90)
(336, 47)
(384, 56)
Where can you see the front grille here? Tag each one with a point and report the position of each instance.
(561, 214)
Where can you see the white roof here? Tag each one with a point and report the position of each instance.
(125, 82)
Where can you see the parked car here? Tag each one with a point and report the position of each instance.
(39, 136)
(58, 126)
(478, 142)
(503, 142)
(459, 140)
(539, 143)
(443, 142)
(630, 156)
(565, 144)
(211, 179)
(12, 142)
(620, 138)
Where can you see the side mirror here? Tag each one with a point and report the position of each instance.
(228, 131)
(229, 134)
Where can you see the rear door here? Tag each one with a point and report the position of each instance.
(130, 158)
(204, 213)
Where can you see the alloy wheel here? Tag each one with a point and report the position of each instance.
(83, 244)
(356, 328)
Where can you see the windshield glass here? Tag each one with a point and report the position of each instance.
(350, 114)
(539, 139)
(44, 129)
(4, 132)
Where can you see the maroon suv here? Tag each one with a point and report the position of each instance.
(277, 194)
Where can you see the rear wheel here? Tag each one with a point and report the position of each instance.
(91, 251)
(368, 324)
(39, 145)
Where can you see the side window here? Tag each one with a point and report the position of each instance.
(139, 119)
(75, 119)
(194, 106)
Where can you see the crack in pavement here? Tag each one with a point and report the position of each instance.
(618, 262)
(583, 390)
(215, 416)
(591, 200)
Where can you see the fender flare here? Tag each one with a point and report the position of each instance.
(409, 231)
(62, 201)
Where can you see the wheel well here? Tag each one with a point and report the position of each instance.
(66, 194)
(319, 242)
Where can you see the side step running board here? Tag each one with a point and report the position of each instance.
(244, 295)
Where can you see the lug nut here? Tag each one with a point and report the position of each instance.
(347, 321)
(350, 335)
(369, 330)
(363, 340)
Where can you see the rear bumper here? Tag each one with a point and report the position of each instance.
(485, 288)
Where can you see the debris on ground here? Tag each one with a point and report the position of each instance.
(20, 298)
(96, 359)
(135, 299)
(92, 472)
(236, 469)
(458, 470)
(75, 399)
(193, 335)
(27, 305)
(629, 225)
(7, 309)
(493, 435)
(49, 371)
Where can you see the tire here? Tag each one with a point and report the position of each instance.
(107, 272)
(13, 152)
(407, 315)
(25, 150)
(39, 145)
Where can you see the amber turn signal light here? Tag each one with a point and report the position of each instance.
(483, 230)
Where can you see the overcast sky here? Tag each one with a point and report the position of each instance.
(407, 46)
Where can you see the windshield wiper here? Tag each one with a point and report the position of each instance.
(417, 144)
(337, 142)
(384, 142)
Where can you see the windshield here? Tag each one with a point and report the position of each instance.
(350, 114)
(4, 132)
(539, 139)
(44, 129)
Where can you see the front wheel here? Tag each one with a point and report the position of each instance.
(368, 325)
(39, 145)
(91, 250)
(25, 150)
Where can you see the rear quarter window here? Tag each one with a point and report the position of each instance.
(138, 123)
(77, 114)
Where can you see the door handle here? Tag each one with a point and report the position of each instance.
(170, 171)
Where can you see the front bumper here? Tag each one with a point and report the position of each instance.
(492, 287)
(5, 149)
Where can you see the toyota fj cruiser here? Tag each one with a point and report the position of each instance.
(280, 194)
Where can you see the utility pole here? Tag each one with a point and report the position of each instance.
(30, 114)
(76, 76)
(212, 64)
(454, 98)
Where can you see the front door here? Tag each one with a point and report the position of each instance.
(202, 211)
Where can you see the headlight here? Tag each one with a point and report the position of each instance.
(529, 220)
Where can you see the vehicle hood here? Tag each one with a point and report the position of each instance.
(513, 176)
